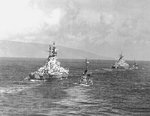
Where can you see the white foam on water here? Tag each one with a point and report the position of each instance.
(15, 89)
(76, 95)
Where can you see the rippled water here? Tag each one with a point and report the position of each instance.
(122, 93)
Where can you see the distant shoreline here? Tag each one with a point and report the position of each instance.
(30, 58)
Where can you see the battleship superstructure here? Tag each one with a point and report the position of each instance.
(51, 69)
(121, 63)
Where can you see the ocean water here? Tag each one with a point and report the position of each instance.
(116, 93)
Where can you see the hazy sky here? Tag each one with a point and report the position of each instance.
(105, 27)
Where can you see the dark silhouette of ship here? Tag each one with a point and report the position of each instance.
(86, 77)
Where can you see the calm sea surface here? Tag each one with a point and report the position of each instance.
(122, 93)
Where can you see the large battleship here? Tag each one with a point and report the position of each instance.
(51, 69)
(121, 63)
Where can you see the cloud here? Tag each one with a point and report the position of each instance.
(54, 17)
(19, 17)
(76, 23)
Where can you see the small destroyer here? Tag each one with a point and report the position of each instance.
(85, 78)
(51, 69)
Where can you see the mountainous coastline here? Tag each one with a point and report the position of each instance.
(36, 50)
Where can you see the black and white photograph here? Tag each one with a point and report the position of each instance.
(74, 57)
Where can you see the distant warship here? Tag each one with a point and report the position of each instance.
(51, 69)
(85, 78)
(134, 66)
(121, 63)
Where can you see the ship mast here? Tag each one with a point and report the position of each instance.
(86, 67)
(86, 64)
(120, 57)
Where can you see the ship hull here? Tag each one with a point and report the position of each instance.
(46, 77)
(114, 69)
